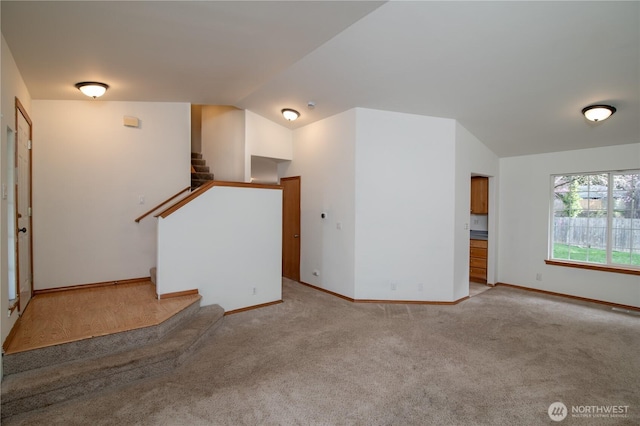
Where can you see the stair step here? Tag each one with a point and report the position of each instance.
(198, 162)
(198, 182)
(196, 155)
(101, 345)
(202, 176)
(42, 387)
(203, 169)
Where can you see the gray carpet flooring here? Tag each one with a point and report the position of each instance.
(499, 358)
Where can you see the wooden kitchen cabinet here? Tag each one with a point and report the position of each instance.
(479, 195)
(478, 261)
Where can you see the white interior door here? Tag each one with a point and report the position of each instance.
(23, 206)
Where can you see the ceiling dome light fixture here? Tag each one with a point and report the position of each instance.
(598, 112)
(290, 114)
(93, 89)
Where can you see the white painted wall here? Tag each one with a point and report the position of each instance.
(196, 128)
(390, 181)
(223, 142)
(324, 154)
(225, 243)
(473, 157)
(405, 170)
(524, 224)
(12, 86)
(88, 174)
(264, 170)
(265, 140)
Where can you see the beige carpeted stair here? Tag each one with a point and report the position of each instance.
(43, 377)
(200, 173)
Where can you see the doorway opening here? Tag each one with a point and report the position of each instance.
(479, 234)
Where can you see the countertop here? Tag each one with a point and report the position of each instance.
(479, 235)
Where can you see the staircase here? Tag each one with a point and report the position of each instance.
(42, 377)
(200, 173)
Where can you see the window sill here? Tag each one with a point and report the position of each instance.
(605, 268)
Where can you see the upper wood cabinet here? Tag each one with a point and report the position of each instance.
(479, 195)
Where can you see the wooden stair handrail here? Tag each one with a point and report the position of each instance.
(207, 186)
(162, 204)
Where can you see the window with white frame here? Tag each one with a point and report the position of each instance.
(595, 218)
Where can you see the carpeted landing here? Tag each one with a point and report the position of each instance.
(499, 358)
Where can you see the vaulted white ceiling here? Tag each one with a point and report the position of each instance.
(515, 74)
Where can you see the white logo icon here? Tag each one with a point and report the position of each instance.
(557, 411)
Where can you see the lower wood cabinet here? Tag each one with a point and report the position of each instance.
(478, 261)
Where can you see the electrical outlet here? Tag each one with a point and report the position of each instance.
(538, 276)
(254, 291)
(393, 286)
